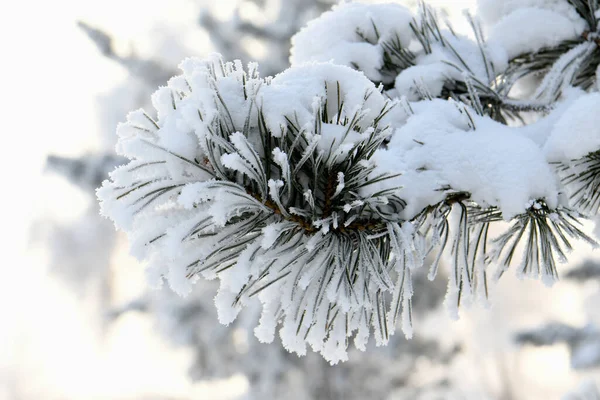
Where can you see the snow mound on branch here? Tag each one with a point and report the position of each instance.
(492, 11)
(429, 77)
(438, 152)
(296, 92)
(359, 35)
(352, 34)
(577, 132)
(542, 28)
(442, 64)
(539, 131)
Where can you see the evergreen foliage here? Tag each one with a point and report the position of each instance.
(320, 191)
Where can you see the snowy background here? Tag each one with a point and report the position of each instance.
(78, 321)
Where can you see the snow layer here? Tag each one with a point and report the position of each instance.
(542, 28)
(313, 84)
(355, 34)
(492, 11)
(441, 64)
(352, 34)
(438, 151)
(577, 132)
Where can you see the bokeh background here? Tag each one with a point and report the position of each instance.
(77, 320)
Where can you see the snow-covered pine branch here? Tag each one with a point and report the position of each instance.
(320, 193)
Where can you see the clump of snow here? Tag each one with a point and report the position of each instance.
(352, 34)
(542, 28)
(539, 130)
(355, 35)
(545, 23)
(314, 85)
(577, 132)
(456, 58)
(414, 80)
(492, 11)
(439, 150)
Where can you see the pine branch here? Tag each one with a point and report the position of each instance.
(582, 178)
(562, 62)
(286, 188)
(252, 205)
(545, 235)
(457, 232)
(587, 9)
(487, 95)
